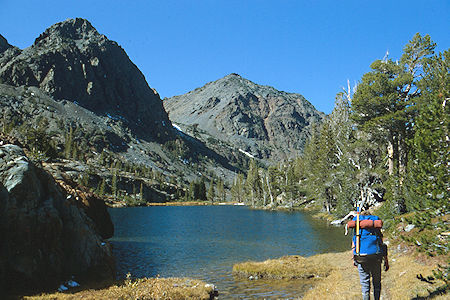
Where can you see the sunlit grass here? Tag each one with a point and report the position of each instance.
(287, 267)
(334, 277)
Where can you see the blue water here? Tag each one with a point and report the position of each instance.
(204, 242)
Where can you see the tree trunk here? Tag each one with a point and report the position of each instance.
(263, 191)
(390, 150)
(402, 158)
(270, 191)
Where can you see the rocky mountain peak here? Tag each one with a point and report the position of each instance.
(72, 61)
(3, 44)
(259, 119)
(71, 29)
(233, 76)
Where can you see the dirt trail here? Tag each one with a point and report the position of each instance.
(400, 282)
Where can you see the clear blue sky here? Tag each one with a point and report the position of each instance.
(307, 47)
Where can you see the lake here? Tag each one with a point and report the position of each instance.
(204, 242)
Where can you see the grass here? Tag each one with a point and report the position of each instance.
(287, 267)
(145, 288)
(410, 277)
(334, 277)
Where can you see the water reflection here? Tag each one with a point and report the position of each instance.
(204, 242)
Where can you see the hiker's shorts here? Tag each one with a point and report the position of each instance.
(369, 269)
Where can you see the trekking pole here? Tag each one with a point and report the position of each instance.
(358, 235)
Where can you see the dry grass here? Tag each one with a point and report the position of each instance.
(146, 288)
(338, 279)
(341, 284)
(337, 286)
(287, 267)
(400, 282)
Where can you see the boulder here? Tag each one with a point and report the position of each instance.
(46, 237)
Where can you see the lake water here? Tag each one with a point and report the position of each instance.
(204, 242)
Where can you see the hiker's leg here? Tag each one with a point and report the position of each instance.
(376, 279)
(364, 279)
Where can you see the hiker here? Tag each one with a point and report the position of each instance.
(368, 253)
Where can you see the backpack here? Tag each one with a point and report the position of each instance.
(371, 243)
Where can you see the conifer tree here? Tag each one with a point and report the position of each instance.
(211, 192)
(221, 190)
(68, 144)
(384, 108)
(384, 98)
(253, 184)
(192, 192)
(202, 190)
(237, 189)
(141, 192)
(101, 190)
(114, 184)
(429, 173)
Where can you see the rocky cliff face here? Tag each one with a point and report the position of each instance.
(47, 234)
(4, 44)
(261, 120)
(72, 61)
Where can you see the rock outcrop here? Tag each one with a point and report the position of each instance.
(4, 45)
(47, 234)
(72, 61)
(261, 120)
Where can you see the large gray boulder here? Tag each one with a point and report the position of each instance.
(46, 236)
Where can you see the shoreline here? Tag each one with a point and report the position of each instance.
(331, 275)
(119, 204)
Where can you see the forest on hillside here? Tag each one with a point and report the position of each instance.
(385, 145)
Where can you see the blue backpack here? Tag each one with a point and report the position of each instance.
(371, 239)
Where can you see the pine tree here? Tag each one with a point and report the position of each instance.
(237, 188)
(192, 191)
(201, 190)
(211, 192)
(68, 146)
(141, 192)
(384, 107)
(114, 184)
(221, 190)
(429, 173)
(101, 190)
(253, 184)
